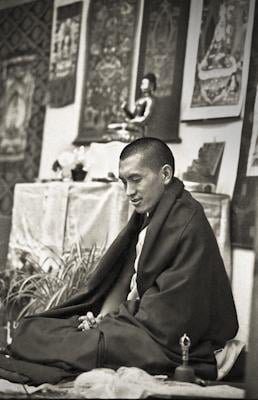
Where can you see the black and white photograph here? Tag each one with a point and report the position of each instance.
(128, 199)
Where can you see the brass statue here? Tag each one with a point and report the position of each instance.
(136, 120)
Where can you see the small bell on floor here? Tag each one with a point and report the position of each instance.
(185, 373)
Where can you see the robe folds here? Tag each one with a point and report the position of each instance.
(183, 288)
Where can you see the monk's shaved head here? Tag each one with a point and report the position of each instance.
(154, 151)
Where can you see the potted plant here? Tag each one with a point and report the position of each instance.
(32, 289)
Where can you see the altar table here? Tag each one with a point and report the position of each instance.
(49, 218)
(56, 215)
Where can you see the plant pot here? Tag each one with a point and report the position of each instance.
(78, 174)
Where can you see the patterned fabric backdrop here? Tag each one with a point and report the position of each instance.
(25, 31)
(110, 44)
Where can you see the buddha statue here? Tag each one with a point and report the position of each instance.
(136, 121)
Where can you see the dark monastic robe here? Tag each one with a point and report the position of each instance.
(183, 288)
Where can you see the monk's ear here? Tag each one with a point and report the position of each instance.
(167, 173)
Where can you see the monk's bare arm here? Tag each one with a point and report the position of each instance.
(118, 292)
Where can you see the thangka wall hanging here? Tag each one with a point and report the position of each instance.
(219, 42)
(244, 197)
(25, 31)
(19, 84)
(162, 52)
(64, 55)
(111, 31)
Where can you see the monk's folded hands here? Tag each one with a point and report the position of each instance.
(88, 321)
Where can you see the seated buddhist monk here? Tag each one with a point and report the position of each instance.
(163, 276)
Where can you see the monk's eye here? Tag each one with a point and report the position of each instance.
(136, 179)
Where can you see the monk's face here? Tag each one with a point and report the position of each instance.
(145, 86)
(143, 185)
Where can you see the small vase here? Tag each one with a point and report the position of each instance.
(78, 174)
